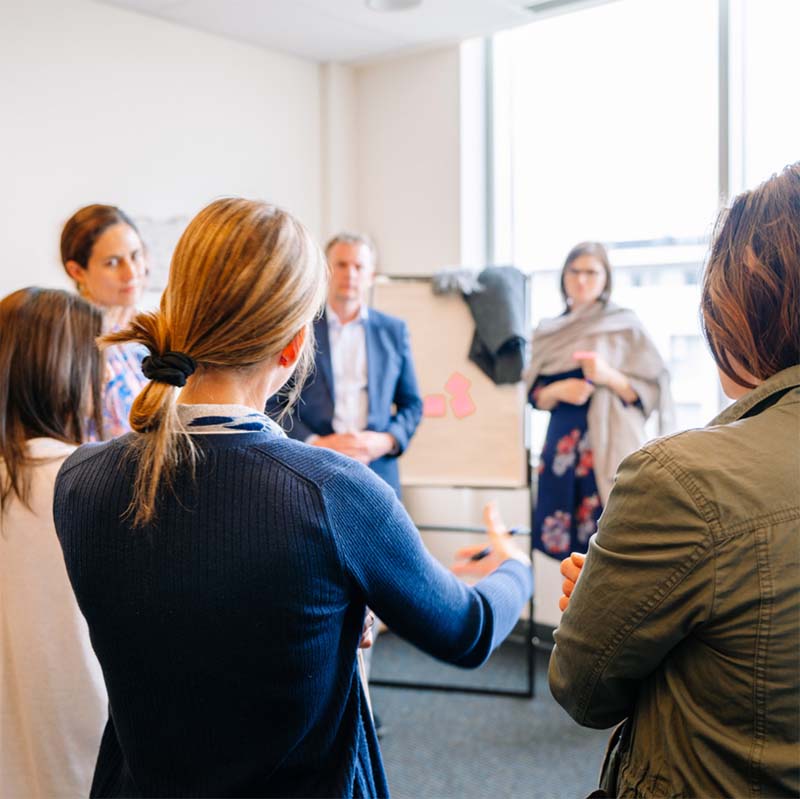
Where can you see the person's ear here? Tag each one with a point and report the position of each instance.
(291, 352)
(75, 271)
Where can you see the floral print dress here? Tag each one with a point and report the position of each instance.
(124, 381)
(567, 502)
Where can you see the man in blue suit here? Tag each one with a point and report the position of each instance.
(362, 399)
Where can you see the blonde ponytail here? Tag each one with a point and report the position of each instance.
(245, 278)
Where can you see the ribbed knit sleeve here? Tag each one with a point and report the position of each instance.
(420, 600)
(227, 628)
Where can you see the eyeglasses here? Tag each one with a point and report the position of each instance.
(589, 274)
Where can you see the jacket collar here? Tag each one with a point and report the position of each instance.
(780, 383)
(322, 357)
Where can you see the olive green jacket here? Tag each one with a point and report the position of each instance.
(686, 617)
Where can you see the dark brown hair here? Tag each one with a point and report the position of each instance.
(50, 369)
(83, 229)
(750, 303)
(596, 250)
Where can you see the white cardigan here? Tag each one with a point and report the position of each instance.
(53, 704)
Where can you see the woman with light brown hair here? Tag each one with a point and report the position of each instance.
(52, 698)
(685, 621)
(599, 374)
(224, 569)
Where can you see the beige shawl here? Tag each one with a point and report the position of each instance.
(616, 334)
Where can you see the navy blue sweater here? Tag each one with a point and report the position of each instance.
(227, 630)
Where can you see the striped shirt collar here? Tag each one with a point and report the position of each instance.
(227, 419)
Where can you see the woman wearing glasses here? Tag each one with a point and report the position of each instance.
(599, 374)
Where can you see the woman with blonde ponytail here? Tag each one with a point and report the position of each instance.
(224, 569)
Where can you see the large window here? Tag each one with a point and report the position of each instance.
(613, 125)
(607, 126)
(767, 34)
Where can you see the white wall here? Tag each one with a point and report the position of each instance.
(475, 171)
(408, 194)
(339, 150)
(105, 105)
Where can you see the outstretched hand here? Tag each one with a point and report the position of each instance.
(571, 570)
(500, 545)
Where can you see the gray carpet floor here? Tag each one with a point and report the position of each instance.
(443, 745)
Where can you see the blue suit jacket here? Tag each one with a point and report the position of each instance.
(395, 405)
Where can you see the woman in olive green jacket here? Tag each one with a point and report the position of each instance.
(686, 617)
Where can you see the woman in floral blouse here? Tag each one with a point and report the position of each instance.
(102, 252)
(599, 374)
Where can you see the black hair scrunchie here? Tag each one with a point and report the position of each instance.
(171, 367)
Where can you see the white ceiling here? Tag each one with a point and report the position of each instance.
(343, 30)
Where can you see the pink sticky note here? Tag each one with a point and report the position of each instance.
(434, 406)
(582, 355)
(462, 405)
(456, 384)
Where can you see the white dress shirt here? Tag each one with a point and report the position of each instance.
(348, 343)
